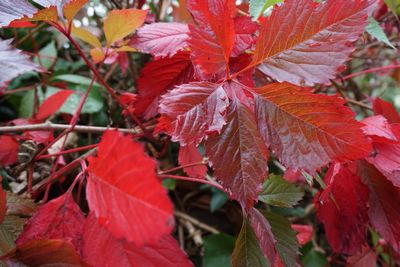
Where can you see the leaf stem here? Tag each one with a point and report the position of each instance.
(192, 179)
(69, 151)
(183, 167)
(371, 70)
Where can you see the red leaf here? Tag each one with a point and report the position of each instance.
(14, 9)
(194, 109)
(13, 62)
(262, 229)
(52, 104)
(61, 218)
(238, 155)
(366, 258)
(342, 207)
(188, 155)
(303, 42)
(21, 24)
(45, 253)
(305, 233)
(124, 192)
(386, 109)
(170, 72)
(306, 131)
(3, 202)
(245, 36)
(384, 213)
(8, 150)
(100, 249)
(161, 39)
(378, 128)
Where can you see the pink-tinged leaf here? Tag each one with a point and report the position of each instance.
(304, 233)
(365, 258)
(170, 72)
(245, 37)
(304, 43)
(161, 39)
(14, 9)
(262, 230)
(386, 109)
(124, 192)
(54, 252)
(61, 218)
(384, 212)
(101, 248)
(378, 128)
(307, 131)
(342, 208)
(189, 155)
(194, 109)
(21, 24)
(8, 150)
(13, 62)
(52, 104)
(238, 155)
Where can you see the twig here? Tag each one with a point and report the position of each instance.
(372, 70)
(196, 222)
(192, 179)
(48, 126)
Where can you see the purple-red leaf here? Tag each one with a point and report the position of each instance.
(194, 109)
(61, 218)
(170, 72)
(190, 155)
(304, 42)
(306, 131)
(342, 208)
(124, 192)
(161, 39)
(101, 248)
(238, 155)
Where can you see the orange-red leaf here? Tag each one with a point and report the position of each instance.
(52, 104)
(121, 23)
(303, 42)
(72, 8)
(8, 150)
(238, 155)
(306, 131)
(124, 192)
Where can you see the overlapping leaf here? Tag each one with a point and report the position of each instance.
(342, 207)
(14, 9)
(194, 109)
(161, 39)
(386, 109)
(307, 131)
(52, 104)
(8, 150)
(303, 42)
(238, 155)
(124, 192)
(189, 155)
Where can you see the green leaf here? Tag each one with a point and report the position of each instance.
(47, 56)
(218, 250)
(218, 199)
(257, 7)
(394, 6)
(278, 192)
(75, 79)
(375, 30)
(247, 252)
(287, 245)
(26, 106)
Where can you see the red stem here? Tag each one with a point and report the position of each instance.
(192, 179)
(372, 70)
(69, 151)
(182, 167)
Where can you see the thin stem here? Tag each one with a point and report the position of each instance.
(192, 179)
(183, 167)
(372, 70)
(69, 151)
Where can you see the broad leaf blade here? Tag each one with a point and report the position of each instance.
(52, 104)
(308, 47)
(279, 192)
(306, 131)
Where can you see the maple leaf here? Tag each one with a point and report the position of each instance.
(44, 252)
(342, 208)
(194, 109)
(310, 46)
(386, 109)
(384, 213)
(161, 39)
(52, 104)
(120, 23)
(306, 131)
(13, 63)
(238, 155)
(8, 150)
(101, 248)
(172, 71)
(124, 192)
(61, 218)
(188, 155)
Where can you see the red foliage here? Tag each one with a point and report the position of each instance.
(8, 150)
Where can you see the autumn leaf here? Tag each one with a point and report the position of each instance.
(8, 150)
(386, 109)
(52, 104)
(307, 131)
(310, 46)
(189, 155)
(161, 39)
(120, 23)
(101, 248)
(86, 36)
(14, 9)
(124, 192)
(238, 155)
(71, 8)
